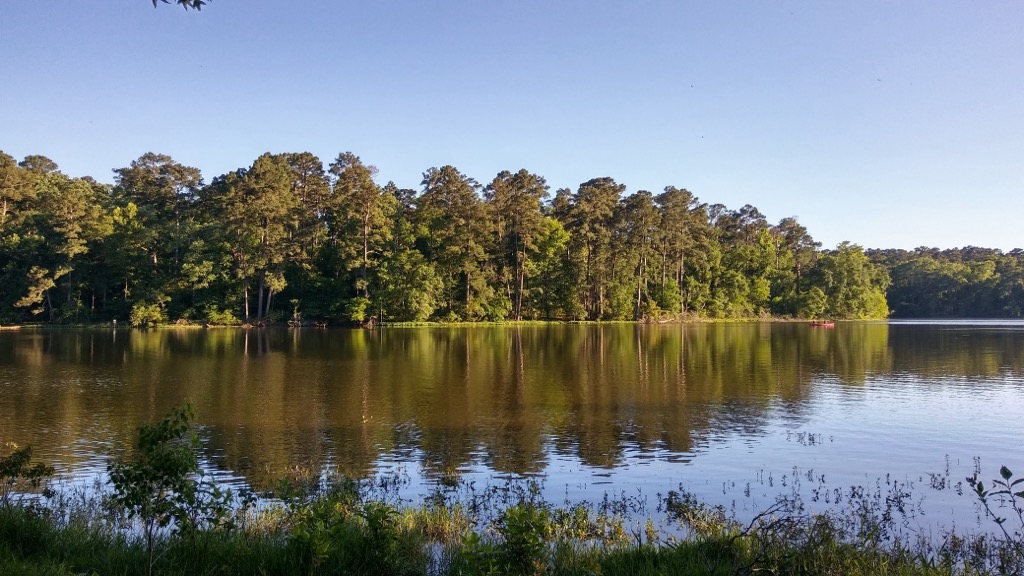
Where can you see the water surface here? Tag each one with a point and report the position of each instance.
(622, 408)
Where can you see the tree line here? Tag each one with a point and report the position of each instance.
(290, 239)
(968, 282)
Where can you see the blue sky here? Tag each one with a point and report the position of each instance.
(888, 124)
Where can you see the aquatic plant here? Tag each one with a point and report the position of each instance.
(163, 516)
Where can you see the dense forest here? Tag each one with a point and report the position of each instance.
(290, 240)
(968, 282)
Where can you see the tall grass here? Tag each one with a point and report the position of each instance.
(316, 525)
(341, 528)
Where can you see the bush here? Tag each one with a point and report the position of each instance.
(159, 486)
(335, 533)
(17, 474)
(356, 309)
(143, 315)
(219, 318)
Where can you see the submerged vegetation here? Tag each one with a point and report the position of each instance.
(163, 517)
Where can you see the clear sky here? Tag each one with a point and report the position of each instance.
(891, 123)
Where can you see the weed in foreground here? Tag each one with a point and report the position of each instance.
(315, 524)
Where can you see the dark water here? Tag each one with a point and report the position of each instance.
(624, 408)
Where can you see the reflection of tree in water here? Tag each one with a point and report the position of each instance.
(443, 412)
(507, 398)
(514, 441)
(978, 352)
(852, 351)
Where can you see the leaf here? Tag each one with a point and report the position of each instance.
(1005, 473)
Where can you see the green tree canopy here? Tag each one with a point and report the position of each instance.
(515, 210)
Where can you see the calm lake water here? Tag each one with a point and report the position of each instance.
(730, 411)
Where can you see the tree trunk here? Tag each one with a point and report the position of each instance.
(519, 293)
(639, 283)
(467, 296)
(517, 306)
(588, 294)
(259, 297)
(366, 258)
(679, 282)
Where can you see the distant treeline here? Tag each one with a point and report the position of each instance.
(966, 282)
(287, 239)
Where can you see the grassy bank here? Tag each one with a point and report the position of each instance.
(670, 320)
(342, 527)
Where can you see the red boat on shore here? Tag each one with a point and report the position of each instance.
(823, 324)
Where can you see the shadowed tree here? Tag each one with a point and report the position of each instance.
(307, 228)
(39, 164)
(704, 264)
(555, 294)
(164, 191)
(312, 191)
(793, 236)
(743, 287)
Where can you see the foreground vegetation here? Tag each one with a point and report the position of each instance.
(160, 516)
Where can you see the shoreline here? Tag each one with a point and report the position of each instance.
(436, 324)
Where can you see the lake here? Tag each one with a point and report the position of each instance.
(734, 412)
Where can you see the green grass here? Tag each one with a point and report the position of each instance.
(342, 526)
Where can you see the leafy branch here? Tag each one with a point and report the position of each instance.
(17, 474)
(1005, 492)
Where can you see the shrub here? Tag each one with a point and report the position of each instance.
(221, 318)
(144, 314)
(159, 486)
(18, 474)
